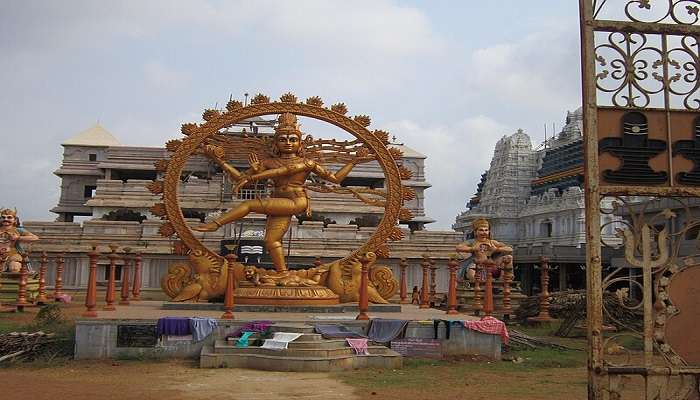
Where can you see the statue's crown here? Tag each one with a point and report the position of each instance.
(480, 223)
(8, 211)
(287, 124)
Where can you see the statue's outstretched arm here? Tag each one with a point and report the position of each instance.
(28, 237)
(266, 174)
(503, 247)
(217, 154)
(334, 177)
(465, 248)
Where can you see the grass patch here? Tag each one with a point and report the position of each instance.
(49, 319)
(8, 325)
(418, 374)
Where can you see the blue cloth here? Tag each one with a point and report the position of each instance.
(385, 330)
(202, 327)
(175, 326)
(336, 331)
(243, 340)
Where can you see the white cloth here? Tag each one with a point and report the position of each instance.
(280, 340)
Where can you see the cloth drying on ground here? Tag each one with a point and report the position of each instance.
(489, 325)
(202, 327)
(243, 340)
(385, 330)
(280, 340)
(359, 345)
(335, 331)
(254, 326)
(175, 326)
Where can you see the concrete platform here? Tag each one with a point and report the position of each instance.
(103, 338)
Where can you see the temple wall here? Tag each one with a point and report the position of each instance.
(309, 240)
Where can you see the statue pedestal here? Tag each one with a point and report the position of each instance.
(247, 293)
(9, 287)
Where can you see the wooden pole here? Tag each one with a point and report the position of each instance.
(452, 289)
(136, 290)
(433, 283)
(58, 286)
(109, 295)
(41, 300)
(22, 289)
(363, 303)
(425, 293)
(125, 277)
(403, 264)
(230, 286)
(91, 295)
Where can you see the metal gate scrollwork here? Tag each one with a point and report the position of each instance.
(641, 94)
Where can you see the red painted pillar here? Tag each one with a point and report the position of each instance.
(452, 290)
(58, 286)
(403, 264)
(433, 283)
(488, 296)
(136, 291)
(543, 315)
(125, 277)
(507, 279)
(425, 295)
(41, 300)
(109, 295)
(22, 289)
(91, 295)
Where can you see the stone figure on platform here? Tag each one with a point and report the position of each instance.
(12, 235)
(486, 254)
(288, 169)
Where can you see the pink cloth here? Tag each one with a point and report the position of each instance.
(359, 345)
(489, 325)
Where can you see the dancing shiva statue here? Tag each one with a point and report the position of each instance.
(288, 170)
(285, 161)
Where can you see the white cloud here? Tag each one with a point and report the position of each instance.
(458, 154)
(539, 72)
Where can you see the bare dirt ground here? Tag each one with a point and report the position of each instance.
(536, 378)
(172, 380)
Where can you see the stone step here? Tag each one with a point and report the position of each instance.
(209, 359)
(298, 344)
(304, 338)
(292, 328)
(221, 347)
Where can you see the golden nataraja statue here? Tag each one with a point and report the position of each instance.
(288, 169)
(286, 159)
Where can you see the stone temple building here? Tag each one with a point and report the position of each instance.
(534, 200)
(104, 200)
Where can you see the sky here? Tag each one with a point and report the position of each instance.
(447, 78)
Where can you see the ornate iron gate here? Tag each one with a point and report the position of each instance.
(641, 92)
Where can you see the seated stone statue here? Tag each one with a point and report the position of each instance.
(12, 235)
